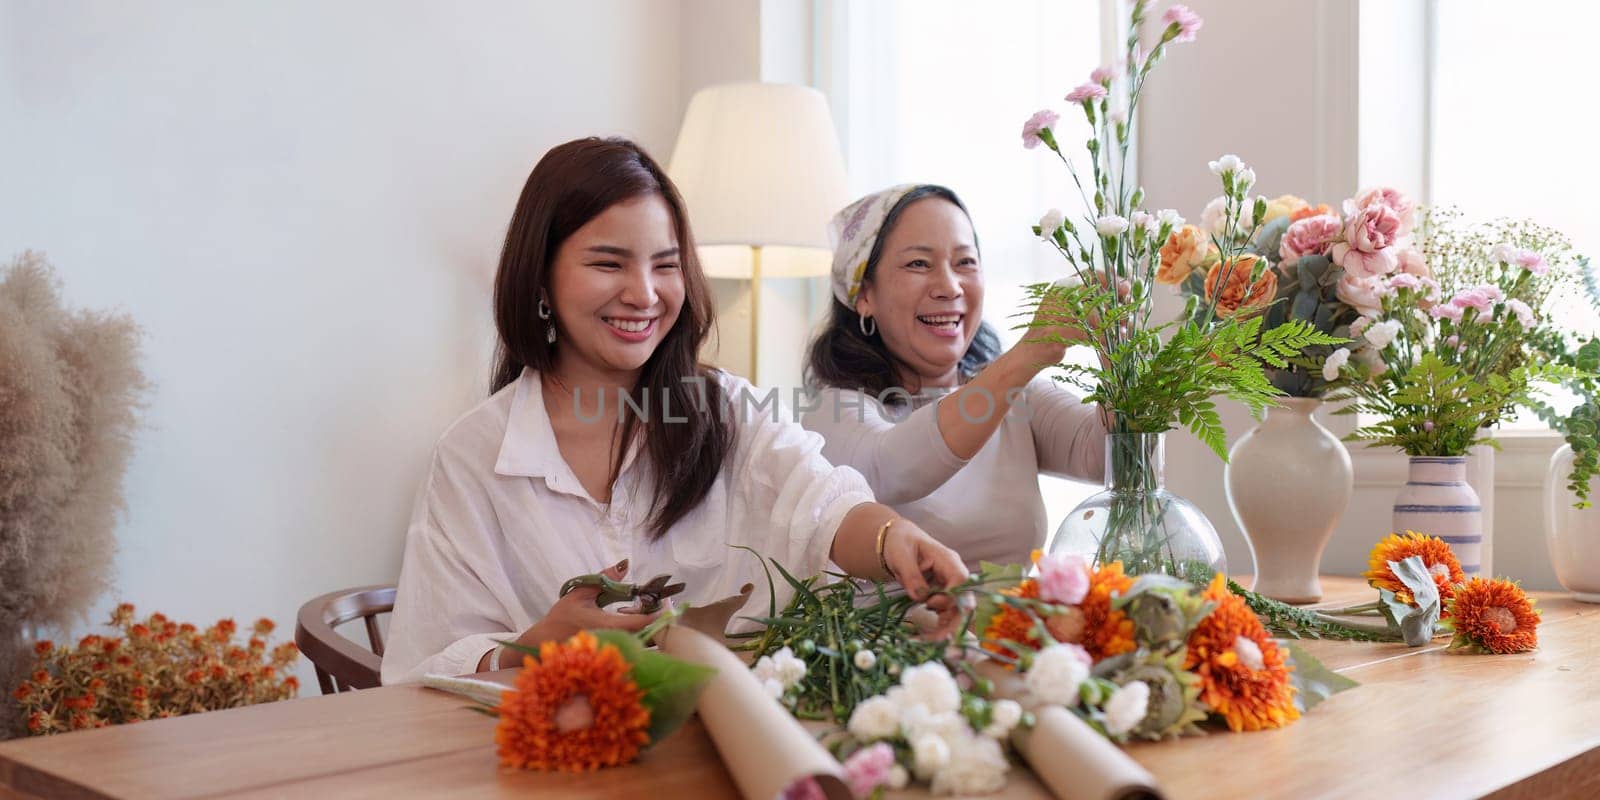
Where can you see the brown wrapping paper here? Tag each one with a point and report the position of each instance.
(764, 748)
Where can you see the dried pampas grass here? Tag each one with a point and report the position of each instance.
(70, 392)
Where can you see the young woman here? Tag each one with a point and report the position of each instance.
(607, 446)
(916, 395)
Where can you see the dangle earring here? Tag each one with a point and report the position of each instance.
(862, 323)
(544, 314)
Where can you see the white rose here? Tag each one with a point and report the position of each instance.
(790, 669)
(931, 685)
(1110, 225)
(1331, 367)
(865, 659)
(929, 753)
(1382, 333)
(1003, 718)
(1225, 164)
(1127, 707)
(773, 687)
(1056, 674)
(1050, 222)
(898, 777)
(976, 767)
(875, 718)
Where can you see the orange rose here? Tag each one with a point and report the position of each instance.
(1282, 206)
(1309, 211)
(1185, 249)
(1233, 297)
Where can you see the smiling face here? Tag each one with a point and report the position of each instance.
(616, 289)
(926, 292)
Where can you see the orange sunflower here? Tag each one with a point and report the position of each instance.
(1012, 623)
(1244, 675)
(1436, 556)
(1493, 615)
(1106, 632)
(575, 709)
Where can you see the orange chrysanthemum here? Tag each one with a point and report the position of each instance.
(1106, 632)
(1493, 615)
(1011, 623)
(1244, 676)
(575, 709)
(1436, 556)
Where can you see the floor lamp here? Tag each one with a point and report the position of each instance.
(760, 170)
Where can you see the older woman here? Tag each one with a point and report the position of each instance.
(915, 394)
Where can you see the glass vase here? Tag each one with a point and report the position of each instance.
(1135, 520)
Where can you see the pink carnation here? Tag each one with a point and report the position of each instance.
(1369, 237)
(1472, 298)
(1042, 121)
(1404, 280)
(1102, 75)
(1312, 236)
(1412, 262)
(868, 768)
(1448, 311)
(1523, 312)
(1187, 21)
(1360, 293)
(1063, 578)
(1404, 207)
(1492, 292)
(1086, 92)
(1532, 262)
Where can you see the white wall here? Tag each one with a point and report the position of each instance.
(303, 204)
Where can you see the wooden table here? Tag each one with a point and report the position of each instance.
(1424, 723)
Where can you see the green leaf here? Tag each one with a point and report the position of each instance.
(1417, 620)
(1314, 681)
(671, 686)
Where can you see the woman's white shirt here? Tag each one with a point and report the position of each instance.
(501, 522)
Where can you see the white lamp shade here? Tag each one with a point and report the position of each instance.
(759, 164)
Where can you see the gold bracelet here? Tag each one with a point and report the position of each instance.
(883, 533)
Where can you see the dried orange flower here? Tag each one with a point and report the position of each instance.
(575, 709)
(1106, 632)
(1493, 616)
(1244, 675)
(1437, 557)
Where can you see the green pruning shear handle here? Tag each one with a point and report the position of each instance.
(649, 594)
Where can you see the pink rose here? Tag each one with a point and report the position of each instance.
(1532, 262)
(1412, 263)
(1042, 121)
(1311, 236)
(1063, 579)
(1085, 93)
(1447, 311)
(1370, 234)
(1404, 207)
(1360, 293)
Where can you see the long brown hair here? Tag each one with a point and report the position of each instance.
(574, 183)
(842, 357)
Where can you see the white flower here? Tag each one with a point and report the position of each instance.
(1170, 217)
(931, 685)
(1050, 222)
(874, 718)
(1117, 116)
(1226, 165)
(865, 659)
(783, 667)
(1503, 253)
(1215, 216)
(1359, 325)
(1127, 707)
(1382, 333)
(1523, 312)
(773, 687)
(1249, 653)
(1146, 221)
(1056, 674)
(1330, 368)
(975, 767)
(1003, 718)
(916, 721)
(929, 753)
(898, 777)
(1110, 225)
(1244, 180)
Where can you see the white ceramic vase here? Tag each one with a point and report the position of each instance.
(1438, 501)
(1572, 534)
(1288, 482)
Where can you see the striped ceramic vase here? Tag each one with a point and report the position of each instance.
(1438, 501)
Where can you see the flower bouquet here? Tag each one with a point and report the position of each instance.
(1151, 377)
(157, 668)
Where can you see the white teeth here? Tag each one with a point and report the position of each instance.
(941, 319)
(629, 326)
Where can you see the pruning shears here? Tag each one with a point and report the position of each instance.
(649, 594)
